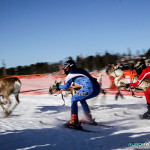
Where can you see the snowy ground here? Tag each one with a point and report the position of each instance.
(23, 131)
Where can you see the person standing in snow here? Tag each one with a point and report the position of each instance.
(143, 72)
(90, 88)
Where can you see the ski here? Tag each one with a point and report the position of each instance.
(46, 123)
(94, 124)
(79, 128)
(98, 124)
(124, 114)
(118, 115)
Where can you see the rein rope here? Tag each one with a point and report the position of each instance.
(33, 90)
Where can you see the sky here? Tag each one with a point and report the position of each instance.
(34, 31)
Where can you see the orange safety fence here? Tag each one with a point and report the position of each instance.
(38, 84)
(41, 83)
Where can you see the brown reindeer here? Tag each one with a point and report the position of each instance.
(8, 86)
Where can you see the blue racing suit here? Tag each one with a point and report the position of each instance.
(90, 88)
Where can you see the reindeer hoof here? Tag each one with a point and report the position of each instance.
(4, 114)
(8, 113)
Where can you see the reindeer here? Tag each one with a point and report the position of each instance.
(74, 88)
(121, 80)
(8, 86)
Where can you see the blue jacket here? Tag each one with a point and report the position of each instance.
(78, 76)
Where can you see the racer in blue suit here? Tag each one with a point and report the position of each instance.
(90, 88)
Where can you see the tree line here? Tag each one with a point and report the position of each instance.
(90, 63)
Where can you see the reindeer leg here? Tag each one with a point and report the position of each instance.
(117, 94)
(3, 102)
(2, 106)
(63, 99)
(17, 98)
(6, 110)
(121, 95)
(17, 102)
(9, 104)
(4, 113)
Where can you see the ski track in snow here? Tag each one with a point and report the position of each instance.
(23, 131)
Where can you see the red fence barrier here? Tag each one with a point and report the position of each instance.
(39, 84)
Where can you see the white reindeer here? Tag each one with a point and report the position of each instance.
(8, 86)
(120, 81)
(74, 88)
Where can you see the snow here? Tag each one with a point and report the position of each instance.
(23, 131)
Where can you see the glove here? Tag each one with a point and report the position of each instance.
(57, 86)
(127, 85)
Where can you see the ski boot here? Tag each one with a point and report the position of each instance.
(147, 114)
(88, 119)
(74, 122)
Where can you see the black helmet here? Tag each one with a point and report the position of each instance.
(68, 65)
(139, 65)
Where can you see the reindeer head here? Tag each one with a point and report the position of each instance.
(109, 69)
(53, 88)
(114, 71)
